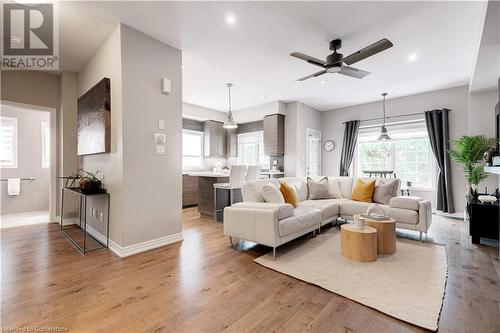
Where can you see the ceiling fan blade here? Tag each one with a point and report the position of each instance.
(309, 59)
(368, 51)
(353, 72)
(312, 75)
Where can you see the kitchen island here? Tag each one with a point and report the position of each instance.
(206, 181)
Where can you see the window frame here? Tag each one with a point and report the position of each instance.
(46, 160)
(201, 156)
(356, 165)
(15, 156)
(264, 160)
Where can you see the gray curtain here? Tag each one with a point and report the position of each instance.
(348, 144)
(439, 136)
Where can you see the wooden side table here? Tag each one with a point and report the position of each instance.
(386, 234)
(358, 244)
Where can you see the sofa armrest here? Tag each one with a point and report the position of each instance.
(252, 224)
(409, 202)
(283, 210)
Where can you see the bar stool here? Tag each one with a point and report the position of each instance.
(233, 189)
(253, 172)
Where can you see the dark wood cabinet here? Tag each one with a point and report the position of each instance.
(214, 139)
(274, 134)
(232, 142)
(189, 191)
(483, 220)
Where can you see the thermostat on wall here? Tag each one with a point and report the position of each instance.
(165, 86)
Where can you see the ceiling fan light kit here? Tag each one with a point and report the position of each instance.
(336, 62)
(229, 123)
(384, 135)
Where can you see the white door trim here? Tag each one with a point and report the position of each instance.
(310, 132)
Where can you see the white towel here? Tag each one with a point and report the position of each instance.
(14, 186)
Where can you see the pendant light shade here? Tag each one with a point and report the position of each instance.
(229, 122)
(384, 136)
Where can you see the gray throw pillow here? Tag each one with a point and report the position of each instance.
(318, 190)
(384, 192)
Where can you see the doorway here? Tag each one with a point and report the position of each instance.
(313, 152)
(27, 151)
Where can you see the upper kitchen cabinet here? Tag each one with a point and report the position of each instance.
(214, 139)
(274, 134)
(232, 142)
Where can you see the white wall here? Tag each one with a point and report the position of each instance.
(106, 62)
(258, 112)
(152, 183)
(200, 113)
(455, 99)
(298, 118)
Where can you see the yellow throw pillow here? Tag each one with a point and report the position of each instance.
(289, 194)
(363, 191)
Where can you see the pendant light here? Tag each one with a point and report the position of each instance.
(229, 122)
(383, 130)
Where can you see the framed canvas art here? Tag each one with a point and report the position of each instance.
(94, 120)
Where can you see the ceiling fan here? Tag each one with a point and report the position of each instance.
(335, 62)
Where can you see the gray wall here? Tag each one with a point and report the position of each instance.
(34, 195)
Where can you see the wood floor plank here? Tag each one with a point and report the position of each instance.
(204, 285)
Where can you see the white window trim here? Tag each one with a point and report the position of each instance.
(12, 120)
(260, 148)
(45, 125)
(198, 133)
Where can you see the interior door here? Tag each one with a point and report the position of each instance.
(313, 152)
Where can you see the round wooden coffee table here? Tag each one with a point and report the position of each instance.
(358, 244)
(386, 234)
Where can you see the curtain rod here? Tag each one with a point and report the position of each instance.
(396, 116)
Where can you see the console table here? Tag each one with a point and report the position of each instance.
(77, 231)
(483, 220)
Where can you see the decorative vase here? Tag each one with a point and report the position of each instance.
(359, 223)
(374, 209)
(90, 186)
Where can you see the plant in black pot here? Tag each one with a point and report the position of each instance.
(90, 182)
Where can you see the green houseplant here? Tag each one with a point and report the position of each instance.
(469, 151)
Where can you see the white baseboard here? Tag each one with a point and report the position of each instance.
(125, 251)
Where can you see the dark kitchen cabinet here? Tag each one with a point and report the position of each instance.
(274, 134)
(232, 142)
(214, 139)
(189, 191)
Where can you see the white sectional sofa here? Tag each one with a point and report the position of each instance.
(274, 224)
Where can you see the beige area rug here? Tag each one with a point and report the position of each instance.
(408, 285)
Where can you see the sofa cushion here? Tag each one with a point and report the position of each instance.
(405, 202)
(345, 184)
(303, 217)
(252, 190)
(318, 189)
(329, 207)
(351, 207)
(271, 193)
(383, 181)
(363, 191)
(299, 185)
(289, 193)
(384, 192)
(401, 215)
(335, 188)
(283, 210)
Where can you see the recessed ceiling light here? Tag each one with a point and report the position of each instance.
(413, 57)
(195, 97)
(262, 97)
(230, 19)
(323, 81)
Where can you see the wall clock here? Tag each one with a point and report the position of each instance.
(329, 145)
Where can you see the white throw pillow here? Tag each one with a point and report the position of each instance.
(272, 194)
(335, 188)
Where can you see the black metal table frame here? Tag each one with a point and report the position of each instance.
(83, 204)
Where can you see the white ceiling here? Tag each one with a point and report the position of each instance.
(254, 52)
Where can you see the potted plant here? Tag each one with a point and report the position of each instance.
(90, 181)
(469, 151)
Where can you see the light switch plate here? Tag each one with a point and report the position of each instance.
(160, 138)
(161, 124)
(160, 150)
(165, 86)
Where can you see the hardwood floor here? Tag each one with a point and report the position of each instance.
(204, 285)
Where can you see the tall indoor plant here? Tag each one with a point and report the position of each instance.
(469, 151)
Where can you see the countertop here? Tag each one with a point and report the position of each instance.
(224, 174)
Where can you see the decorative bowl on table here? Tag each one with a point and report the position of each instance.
(487, 198)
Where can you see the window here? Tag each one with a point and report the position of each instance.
(251, 149)
(8, 142)
(408, 154)
(45, 145)
(192, 151)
